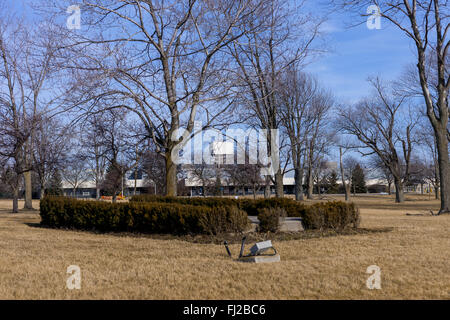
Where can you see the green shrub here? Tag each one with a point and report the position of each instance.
(251, 206)
(219, 220)
(330, 215)
(293, 208)
(154, 217)
(269, 219)
(195, 201)
(335, 215)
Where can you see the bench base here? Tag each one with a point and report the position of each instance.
(260, 259)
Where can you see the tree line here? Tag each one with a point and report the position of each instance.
(103, 100)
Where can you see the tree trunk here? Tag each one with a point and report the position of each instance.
(298, 184)
(267, 188)
(310, 184)
(42, 193)
(436, 193)
(444, 171)
(97, 193)
(171, 176)
(318, 187)
(347, 192)
(389, 188)
(28, 191)
(279, 188)
(15, 200)
(28, 184)
(399, 196)
(344, 184)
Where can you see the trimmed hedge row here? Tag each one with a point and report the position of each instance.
(336, 215)
(196, 201)
(251, 206)
(154, 217)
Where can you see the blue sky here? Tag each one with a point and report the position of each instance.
(358, 52)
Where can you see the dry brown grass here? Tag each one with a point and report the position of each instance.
(414, 261)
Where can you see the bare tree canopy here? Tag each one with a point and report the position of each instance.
(287, 41)
(124, 95)
(376, 123)
(426, 23)
(162, 60)
(304, 108)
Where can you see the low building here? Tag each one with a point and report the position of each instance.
(87, 189)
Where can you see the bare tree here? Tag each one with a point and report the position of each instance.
(321, 173)
(319, 138)
(14, 132)
(430, 158)
(137, 148)
(10, 179)
(116, 141)
(252, 174)
(346, 166)
(50, 147)
(426, 23)
(375, 123)
(382, 170)
(75, 172)
(350, 164)
(29, 86)
(177, 68)
(153, 166)
(263, 56)
(16, 123)
(205, 174)
(248, 174)
(303, 106)
(114, 179)
(39, 68)
(95, 149)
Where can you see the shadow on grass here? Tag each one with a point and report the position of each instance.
(36, 225)
(231, 238)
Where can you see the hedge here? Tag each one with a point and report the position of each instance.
(150, 214)
(336, 215)
(154, 217)
(196, 201)
(269, 219)
(293, 208)
(251, 206)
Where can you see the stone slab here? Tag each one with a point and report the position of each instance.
(288, 224)
(260, 259)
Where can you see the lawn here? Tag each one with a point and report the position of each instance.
(414, 259)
